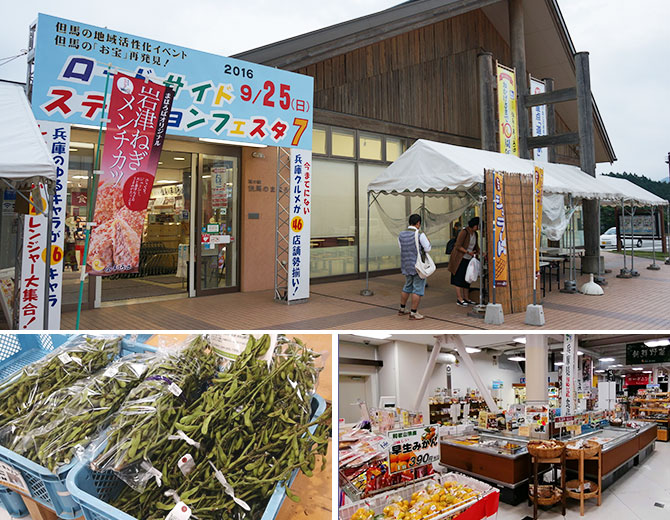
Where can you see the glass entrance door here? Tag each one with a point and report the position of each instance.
(217, 261)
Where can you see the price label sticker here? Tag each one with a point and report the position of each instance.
(65, 358)
(186, 464)
(174, 388)
(138, 368)
(179, 512)
(111, 371)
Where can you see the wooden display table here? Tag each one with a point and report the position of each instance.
(593, 453)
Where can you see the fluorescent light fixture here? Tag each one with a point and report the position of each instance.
(374, 335)
(616, 366)
(606, 359)
(179, 158)
(516, 358)
(79, 177)
(165, 181)
(520, 339)
(234, 143)
(599, 371)
(657, 342)
(160, 162)
(472, 350)
(206, 176)
(74, 149)
(647, 372)
(638, 368)
(77, 144)
(559, 363)
(580, 353)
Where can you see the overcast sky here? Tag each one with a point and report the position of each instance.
(629, 44)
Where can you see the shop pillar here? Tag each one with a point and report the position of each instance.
(537, 373)
(518, 48)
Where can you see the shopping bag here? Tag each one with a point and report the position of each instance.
(424, 263)
(472, 273)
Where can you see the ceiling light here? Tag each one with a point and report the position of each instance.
(165, 181)
(520, 339)
(646, 371)
(559, 363)
(638, 368)
(658, 342)
(517, 358)
(206, 176)
(77, 144)
(472, 350)
(160, 162)
(179, 158)
(374, 335)
(80, 177)
(74, 149)
(234, 143)
(599, 371)
(606, 359)
(616, 366)
(580, 353)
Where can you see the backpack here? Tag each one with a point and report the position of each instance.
(450, 246)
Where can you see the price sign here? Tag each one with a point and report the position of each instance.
(413, 447)
(12, 478)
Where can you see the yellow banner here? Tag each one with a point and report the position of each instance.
(508, 127)
(538, 182)
(499, 235)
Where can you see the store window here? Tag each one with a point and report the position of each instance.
(343, 142)
(394, 148)
(370, 147)
(319, 137)
(333, 242)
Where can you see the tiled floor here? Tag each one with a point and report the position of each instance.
(631, 498)
(638, 303)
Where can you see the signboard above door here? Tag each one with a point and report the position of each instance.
(641, 354)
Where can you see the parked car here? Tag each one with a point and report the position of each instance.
(608, 239)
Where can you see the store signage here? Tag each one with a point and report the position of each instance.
(508, 126)
(300, 194)
(640, 354)
(413, 447)
(537, 418)
(8, 201)
(497, 384)
(642, 225)
(215, 96)
(569, 389)
(79, 198)
(33, 266)
(539, 120)
(637, 379)
(567, 420)
(499, 233)
(538, 185)
(138, 111)
(219, 193)
(57, 137)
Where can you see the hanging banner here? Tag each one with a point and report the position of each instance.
(300, 193)
(33, 264)
(640, 354)
(538, 184)
(637, 379)
(569, 388)
(57, 137)
(413, 447)
(539, 120)
(499, 234)
(508, 126)
(216, 97)
(138, 114)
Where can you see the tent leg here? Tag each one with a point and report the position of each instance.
(570, 286)
(624, 272)
(479, 310)
(367, 291)
(633, 272)
(653, 266)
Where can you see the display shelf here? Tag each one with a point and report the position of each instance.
(652, 404)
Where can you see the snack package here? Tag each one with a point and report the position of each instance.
(79, 358)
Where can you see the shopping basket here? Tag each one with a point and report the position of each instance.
(93, 490)
(45, 487)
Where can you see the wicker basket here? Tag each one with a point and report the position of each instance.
(572, 489)
(537, 450)
(590, 449)
(548, 495)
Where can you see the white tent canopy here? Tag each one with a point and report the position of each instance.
(428, 166)
(631, 193)
(23, 151)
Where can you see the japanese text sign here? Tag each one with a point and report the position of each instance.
(499, 233)
(508, 125)
(538, 184)
(569, 389)
(413, 447)
(637, 379)
(57, 136)
(640, 354)
(137, 111)
(215, 97)
(33, 265)
(300, 199)
(539, 120)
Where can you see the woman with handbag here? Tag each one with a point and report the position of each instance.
(465, 248)
(415, 264)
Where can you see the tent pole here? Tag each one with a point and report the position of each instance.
(47, 256)
(570, 286)
(653, 266)
(535, 267)
(624, 272)
(367, 291)
(633, 272)
(478, 311)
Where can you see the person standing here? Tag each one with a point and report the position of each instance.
(466, 247)
(414, 284)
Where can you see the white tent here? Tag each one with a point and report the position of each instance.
(430, 167)
(631, 193)
(23, 151)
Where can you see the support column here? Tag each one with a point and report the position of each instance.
(487, 115)
(518, 47)
(551, 118)
(587, 161)
(537, 373)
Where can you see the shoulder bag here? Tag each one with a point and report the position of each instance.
(424, 263)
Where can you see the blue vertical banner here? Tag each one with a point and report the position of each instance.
(216, 97)
(300, 193)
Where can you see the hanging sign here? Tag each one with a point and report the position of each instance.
(216, 97)
(637, 379)
(499, 233)
(538, 184)
(300, 194)
(539, 120)
(641, 354)
(508, 126)
(138, 111)
(33, 263)
(413, 447)
(57, 137)
(569, 388)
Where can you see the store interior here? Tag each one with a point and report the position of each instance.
(492, 413)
